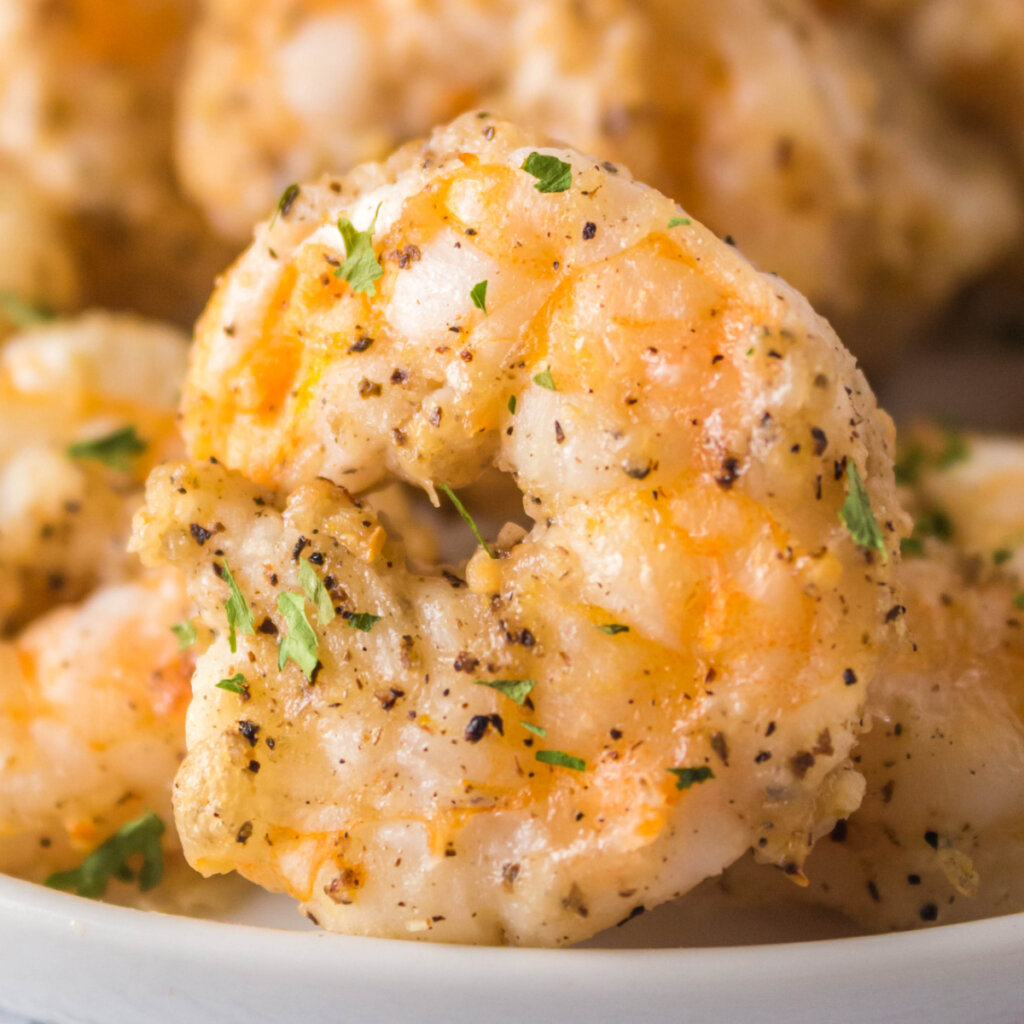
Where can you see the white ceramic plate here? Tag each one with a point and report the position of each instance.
(65, 959)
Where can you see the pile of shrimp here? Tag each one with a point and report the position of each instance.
(683, 614)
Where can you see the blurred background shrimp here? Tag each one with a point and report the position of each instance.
(802, 139)
(87, 407)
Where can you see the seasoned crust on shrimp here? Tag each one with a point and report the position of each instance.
(806, 143)
(938, 838)
(65, 521)
(681, 436)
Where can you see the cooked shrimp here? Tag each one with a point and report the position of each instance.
(971, 51)
(92, 709)
(87, 91)
(65, 517)
(940, 835)
(674, 658)
(37, 265)
(809, 145)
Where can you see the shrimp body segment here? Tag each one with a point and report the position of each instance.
(668, 669)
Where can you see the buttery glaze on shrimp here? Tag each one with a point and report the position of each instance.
(693, 622)
(92, 723)
(940, 835)
(65, 520)
(804, 140)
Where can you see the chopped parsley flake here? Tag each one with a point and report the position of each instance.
(316, 592)
(236, 684)
(361, 267)
(363, 621)
(461, 509)
(22, 313)
(686, 777)
(563, 760)
(300, 644)
(1018, 601)
(479, 296)
(186, 634)
(545, 380)
(908, 467)
(237, 610)
(515, 689)
(955, 450)
(552, 174)
(537, 730)
(1001, 556)
(115, 450)
(512, 404)
(675, 222)
(856, 514)
(140, 837)
(284, 204)
(930, 524)
(612, 628)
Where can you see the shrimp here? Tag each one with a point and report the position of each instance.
(808, 144)
(65, 513)
(92, 723)
(87, 92)
(939, 836)
(667, 669)
(972, 54)
(37, 262)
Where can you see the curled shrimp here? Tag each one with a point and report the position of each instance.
(582, 720)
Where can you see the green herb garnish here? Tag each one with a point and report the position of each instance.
(115, 450)
(563, 760)
(675, 222)
(110, 860)
(478, 294)
(537, 730)
(361, 267)
(461, 509)
(955, 450)
(236, 684)
(186, 634)
(512, 404)
(515, 689)
(1001, 556)
(300, 644)
(22, 313)
(284, 204)
(612, 628)
(552, 174)
(856, 514)
(545, 380)
(237, 609)
(363, 621)
(929, 524)
(1018, 601)
(686, 777)
(908, 466)
(316, 592)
